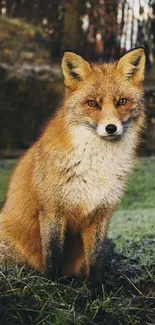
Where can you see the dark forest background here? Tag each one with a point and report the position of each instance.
(33, 35)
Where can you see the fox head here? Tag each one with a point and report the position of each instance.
(106, 98)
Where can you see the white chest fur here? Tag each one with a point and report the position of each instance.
(97, 170)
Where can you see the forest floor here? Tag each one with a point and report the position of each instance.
(128, 293)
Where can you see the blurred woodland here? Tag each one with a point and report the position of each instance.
(33, 35)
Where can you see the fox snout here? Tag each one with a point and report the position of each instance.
(110, 128)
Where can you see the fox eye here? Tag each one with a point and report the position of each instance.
(122, 101)
(92, 103)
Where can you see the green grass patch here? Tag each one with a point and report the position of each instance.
(128, 293)
(5, 171)
(141, 186)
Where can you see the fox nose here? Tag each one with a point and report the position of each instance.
(111, 128)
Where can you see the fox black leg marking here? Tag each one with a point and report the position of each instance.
(53, 256)
(52, 247)
(96, 261)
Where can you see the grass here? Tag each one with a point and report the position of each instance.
(141, 187)
(18, 25)
(128, 293)
(5, 170)
(18, 38)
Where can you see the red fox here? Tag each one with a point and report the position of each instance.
(65, 188)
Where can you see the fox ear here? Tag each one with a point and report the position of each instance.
(75, 69)
(131, 66)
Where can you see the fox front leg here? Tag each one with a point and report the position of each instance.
(52, 236)
(94, 238)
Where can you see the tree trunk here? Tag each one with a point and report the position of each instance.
(17, 9)
(10, 7)
(111, 10)
(72, 25)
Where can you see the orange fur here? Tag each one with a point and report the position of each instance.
(64, 189)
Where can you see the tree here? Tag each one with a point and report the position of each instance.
(72, 25)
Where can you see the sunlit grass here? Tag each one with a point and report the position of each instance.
(19, 25)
